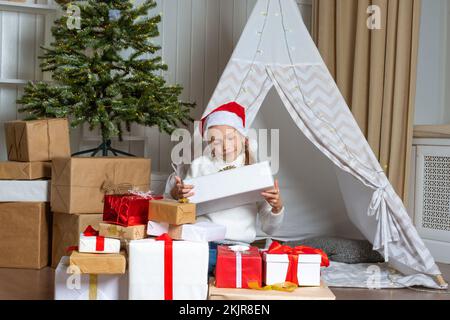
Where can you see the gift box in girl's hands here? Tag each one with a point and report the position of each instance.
(230, 188)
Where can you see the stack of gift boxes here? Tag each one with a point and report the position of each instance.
(113, 239)
(94, 218)
(146, 247)
(25, 220)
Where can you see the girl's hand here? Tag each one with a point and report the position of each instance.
(181, 190)
(273, 197)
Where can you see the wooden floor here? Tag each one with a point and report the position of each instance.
(18, 284)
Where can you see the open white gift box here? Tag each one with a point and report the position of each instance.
(308, 269)
(230, 188)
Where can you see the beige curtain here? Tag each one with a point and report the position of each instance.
(376, 72)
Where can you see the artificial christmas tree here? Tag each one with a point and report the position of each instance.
(106, 72)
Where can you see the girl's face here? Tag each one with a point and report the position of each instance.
(225, 142)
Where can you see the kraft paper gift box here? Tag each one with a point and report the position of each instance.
(99, 263)
(200, 232)
(300, 265)
(305, 293)
(15, 170)
(157, 228)
(238, 266)
(66, 232)
(129, 209)
(24, 191)
(118, 232)
(93, 243)
(24, 235)
(171, 212)
(79, 184)
(152, 278)
(230, 188)
(71, 285)
(38, 140)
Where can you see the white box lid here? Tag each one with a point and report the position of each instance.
(231, 182)
(302, 258)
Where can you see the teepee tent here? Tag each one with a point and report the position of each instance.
(277, 59)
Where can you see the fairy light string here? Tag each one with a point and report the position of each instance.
(305, 101)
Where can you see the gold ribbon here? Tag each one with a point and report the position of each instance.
(285, 286)
(93, 279)
(184, 200)
(227, 168)
(111, 188)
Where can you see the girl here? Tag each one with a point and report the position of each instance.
(228, 148)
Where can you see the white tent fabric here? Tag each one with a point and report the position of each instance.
(276, 50)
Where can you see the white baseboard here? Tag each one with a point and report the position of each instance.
(439, 250)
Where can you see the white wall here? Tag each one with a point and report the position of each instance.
(197, 36)
(21, 35)
(433, 78)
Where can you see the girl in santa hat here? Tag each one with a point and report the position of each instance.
(228, 147)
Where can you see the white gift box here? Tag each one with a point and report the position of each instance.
(157, 228)
(87, 244)
(308, 272)
(24, 191)
(71, 285)
(231, 188)
(203, 231)
(146, 270)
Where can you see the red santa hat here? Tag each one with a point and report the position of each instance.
(231, 114)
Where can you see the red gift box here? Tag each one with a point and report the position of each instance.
(237, 267)
(127, 210)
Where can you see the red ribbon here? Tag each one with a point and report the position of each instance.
(168, 265)
(71, 248)
(293, 253)
(99, 241)
(100, 244)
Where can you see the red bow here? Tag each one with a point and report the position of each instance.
(99, 241)
(293, 253)
(90, 232)
(168, 265)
